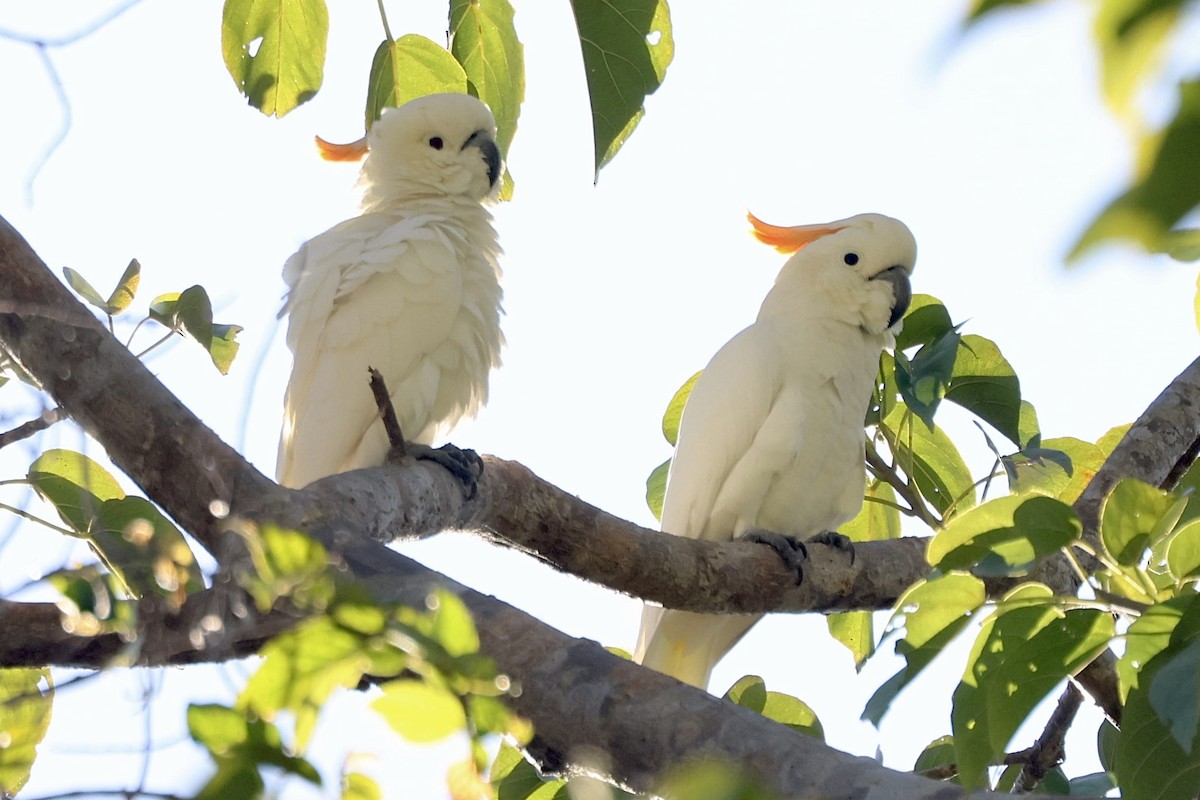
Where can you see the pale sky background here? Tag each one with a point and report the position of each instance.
(994, 147)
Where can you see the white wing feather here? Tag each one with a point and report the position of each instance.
(406, 295)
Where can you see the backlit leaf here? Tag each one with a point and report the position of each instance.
(674, 412)
(484, 41)
(275, 50)
(925, 321)
(1005, 536)
(627, 46)
(751, 692)
(930, 457)
(1049, 477)
(931, 613)
(656, 488)
(420, 712)
(1022, 652)
(24, 719)
(190, 313)
(984, 383)
(1129, 516)
(125, 290)
(83, 288)
(410, 67)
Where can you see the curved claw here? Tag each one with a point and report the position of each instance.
(464, 464)
(837, 540)
(790, 549)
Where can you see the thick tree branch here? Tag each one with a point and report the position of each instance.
(576, 693)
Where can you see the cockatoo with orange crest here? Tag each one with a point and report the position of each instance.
(409, 287)
(771, 437)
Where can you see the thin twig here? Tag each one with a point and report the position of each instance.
(33, 426)
(1048, 751)
(383, 401)
(887, 474)
(20, 512)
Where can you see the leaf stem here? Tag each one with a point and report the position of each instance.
(161, 341)
(387, 31)
(34, 518)
(887, 473)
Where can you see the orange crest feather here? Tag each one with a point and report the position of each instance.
(788, 240)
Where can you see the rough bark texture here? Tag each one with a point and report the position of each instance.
(579, 696)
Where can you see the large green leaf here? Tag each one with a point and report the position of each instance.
(1005, 536)
(24, 720)
(1167, 189)
(240, 747)
(930, 457)
(1049, 477)
(923, 381)
(1128, 519)
(484, 41)
(1022, 652)
(420, 712)
(275, 50)
(751, 692)
(931, 613)
(925, 321)
(1150, 763)
(1151, 633)
(410, 67)
(674, 412)
(984, 383)
(627, 46)
(75, 485)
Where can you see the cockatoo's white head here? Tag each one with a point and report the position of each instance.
(858, 268)
(440, 144)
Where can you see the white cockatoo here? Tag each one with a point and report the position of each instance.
(771, 438)
(409, 287)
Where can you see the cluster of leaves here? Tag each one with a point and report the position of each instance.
(433, 682)
(1141, 570)
(188, 313)
(275, 53)
(1133, 38)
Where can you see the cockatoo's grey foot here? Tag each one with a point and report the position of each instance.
(466, 465)
(835, 539)
(790, 549)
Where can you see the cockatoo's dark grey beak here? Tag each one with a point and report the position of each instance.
(897, 276)
(489, 151)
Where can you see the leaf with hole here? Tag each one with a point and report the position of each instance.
(275, 50)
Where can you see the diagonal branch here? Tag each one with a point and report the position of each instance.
(576, 693)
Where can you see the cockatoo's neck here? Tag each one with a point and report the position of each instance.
(422, 199)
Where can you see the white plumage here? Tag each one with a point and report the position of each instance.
(410, 287)
(771, 437)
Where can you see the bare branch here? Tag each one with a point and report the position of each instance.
(32, 427)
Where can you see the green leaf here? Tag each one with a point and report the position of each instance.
(1022, 652)
(419, 711)
(923, 381)
(656, 488)
(1005, 536)
(1131, 37)
(711, 780)
(275, 50)
(1150, 763)
(1183, 552)
(83, 288)
(453, 627)
(1166, 190)
(145, 548)
(930, 457)
(1151, 633)
(24, 719)
(126, 288)
(981, 7)
(751, 692)
(674, 412)
(410, 67)
(514, 778)
(627, 46)
(931, 614)
(1128, 518)
(301, 668)
(938, 753)
(75, 485)
(855, 630)
(926, 321)
(219, 728)
(984, 383)
(190, 313)
(1097, 784)
(357, 786)
(1050, 478)
(878, 519)
(484, 41)
(241, 747)
(1182, 244)
(287, 564)
(1175, 693)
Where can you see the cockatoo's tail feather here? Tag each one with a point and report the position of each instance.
(788, 240)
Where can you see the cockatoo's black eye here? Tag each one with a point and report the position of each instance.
(436, 143)
(850, 258)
